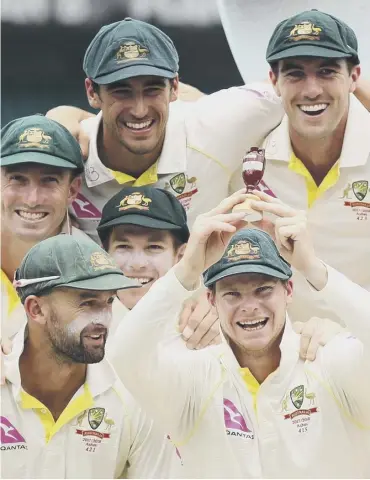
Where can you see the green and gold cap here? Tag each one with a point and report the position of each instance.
(64, 261)
(250, 251)
(37, 139)
(312, 34)
(130, 48)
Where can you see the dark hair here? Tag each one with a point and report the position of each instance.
(212, 287)
(95, 86)
(349, 61)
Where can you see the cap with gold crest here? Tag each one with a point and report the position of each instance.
(130, 48)
(312, 34)
(37, 139)
(65, 261)
(146, 206)
(249, 251)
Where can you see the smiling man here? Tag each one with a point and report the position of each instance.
(318, 158)
(252, 408)
(41, 166)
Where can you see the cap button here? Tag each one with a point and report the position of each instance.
(128, 19)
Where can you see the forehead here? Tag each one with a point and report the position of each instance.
(310, 62)
(34, 169)
(79, 294)
(139, 82)
(245, 280)
(131, 232)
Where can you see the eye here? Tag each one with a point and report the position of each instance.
(153, 90)
(50, 179)
(17, 178)
(295, 74)
(87, 303)
(326, 72)
(155, 247)
(122, 92)
(231, 294)
(122, 246)
(264, 290)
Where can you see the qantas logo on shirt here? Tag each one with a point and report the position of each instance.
(10, 437)
(235, 422)
(84, 208)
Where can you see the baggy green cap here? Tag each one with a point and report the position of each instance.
(65, 261)
(130, 48)
(145, 206)
(312, 34)
(249, 251)
(38, 139)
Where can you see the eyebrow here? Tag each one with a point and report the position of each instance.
(85, 295)
(296, 66)
(152, 82)
(22, 170)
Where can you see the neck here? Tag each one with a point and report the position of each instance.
(260, 366)
(121, 159)
(320, 155)
(13, 250)
(63, 378)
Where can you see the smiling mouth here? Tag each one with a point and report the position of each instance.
(139, 126)
(32, 216)
(253, 325)
(143, 280)
(313, 110)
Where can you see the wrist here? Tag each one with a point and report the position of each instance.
(316, 273)
(187, 274)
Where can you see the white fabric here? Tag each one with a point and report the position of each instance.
(249, 24)
(205, 140)
(200, 397)
(338, 222)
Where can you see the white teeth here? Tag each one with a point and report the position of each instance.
(31, 215)
(254, 322)
(142, 280)
(139, 126)
(313, 108)
(95, 337)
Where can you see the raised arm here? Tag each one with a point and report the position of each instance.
(362, 92)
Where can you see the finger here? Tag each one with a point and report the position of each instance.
(278, 209)
(206, 331)
(266, 197)
(227, 204)
(184, 318)
(288, 235)
(313, 346)
(217, 340)
(298, 327)
(211, 335)
(6, 346)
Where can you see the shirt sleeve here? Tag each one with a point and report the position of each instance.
(168, 380)
(226, 124)
(346, 359)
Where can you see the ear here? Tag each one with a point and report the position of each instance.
(174, 89)
(274, 81)
(35, 309)
(289, 289)
(211, 297)
(92, 96)
(355, 75)
(74, 188)
(180, 252)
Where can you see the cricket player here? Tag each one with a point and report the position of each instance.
(252, 408)
(143, 136)
(41, 166)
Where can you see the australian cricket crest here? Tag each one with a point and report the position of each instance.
(296, 396)
(178, 183)
(360, 189)
(95, 417)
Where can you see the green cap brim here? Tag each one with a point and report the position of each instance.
(109, 281)
(142, 221)
(246, 268)
(37, 157)
(307, 51)
(133, 71)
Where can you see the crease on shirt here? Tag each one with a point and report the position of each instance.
(346, 411)
(211, 157)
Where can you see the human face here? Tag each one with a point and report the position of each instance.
(252, 309)
(34, 200)
(315, 94)
(144, 254)
(77, 323)
(135, 111)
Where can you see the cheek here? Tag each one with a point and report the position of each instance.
(162, 262)
(122, 258)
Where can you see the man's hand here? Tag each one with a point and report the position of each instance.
(292, 238)
(315, 333)
(70, 118)
(6, 348)
(199, 323)
(208, 240)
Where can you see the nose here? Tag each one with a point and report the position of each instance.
(139, 108)
(249, 305)
(312, 87)
(34, 195)
(136, 260)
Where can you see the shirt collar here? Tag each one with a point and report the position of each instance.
(171, 160)
(99, 376)
(356, 142)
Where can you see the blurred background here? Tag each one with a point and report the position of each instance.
(44, 41)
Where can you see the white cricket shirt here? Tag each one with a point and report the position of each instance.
(204, 144)
(310, 419)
